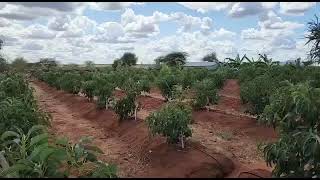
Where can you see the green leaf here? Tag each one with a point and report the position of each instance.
(3, 162)
(7, 134)
(62, 141)
(46, 153)
(39, 138)
(14, 169)
(37, 150)
(34, 129)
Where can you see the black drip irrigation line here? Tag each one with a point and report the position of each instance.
(246, 172)
(221, 167)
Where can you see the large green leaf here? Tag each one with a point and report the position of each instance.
(7, 134)
(39, 139)
(37, 150)
(34, 129)
(14, 169)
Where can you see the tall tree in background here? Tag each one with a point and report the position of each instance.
(19, 64)
(212, 57)
(129, 59)
(47, 63)
(314, 38)
(173, 59)
(89, 64)
(116, 63)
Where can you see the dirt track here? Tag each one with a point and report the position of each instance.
(137, 154)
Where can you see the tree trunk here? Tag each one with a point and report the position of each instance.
(107, 103)
(182, 140)
(135, 114)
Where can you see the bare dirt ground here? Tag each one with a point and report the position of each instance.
(226, 129)
(128, 144)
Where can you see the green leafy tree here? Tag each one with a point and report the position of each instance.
(206, 93)
(116, 63)
(257, 91)
(47, 63)
(167, 79)
(174, 58)
(294, 112)
(128, 106)
(129, 59)
(89, 64)
(172, 122)
(88, 88)
(212, 57)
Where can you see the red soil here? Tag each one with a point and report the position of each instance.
(149, 103)
(230, 96)
(238, 125)
(129, 143)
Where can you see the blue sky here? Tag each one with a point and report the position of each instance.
(75, 32)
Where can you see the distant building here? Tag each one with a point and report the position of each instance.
(204, 64)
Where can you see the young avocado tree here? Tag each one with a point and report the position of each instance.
(128, 106)
(167, 79)
(144, 85)
(294, 110)
(103, 90)
(206, 93)
(172, 122)
(88, 88)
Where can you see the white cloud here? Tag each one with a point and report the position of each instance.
(295, 8)
(109, 32)
(222, 34)
(58, 6)
(139, 26)
(59, 23)
(271, 21)
(33, 10)
(4, 22)
(32, 46)
(242, 9)
(271, 26)
(253, 34)
(189, 23)
(283, 43)
(72, 27)
(207, 6)
(9, 41)
(112, 6)
(37, 31)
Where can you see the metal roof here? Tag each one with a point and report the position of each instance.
(199, 64)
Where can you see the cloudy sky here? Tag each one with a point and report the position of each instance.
(74, 32)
